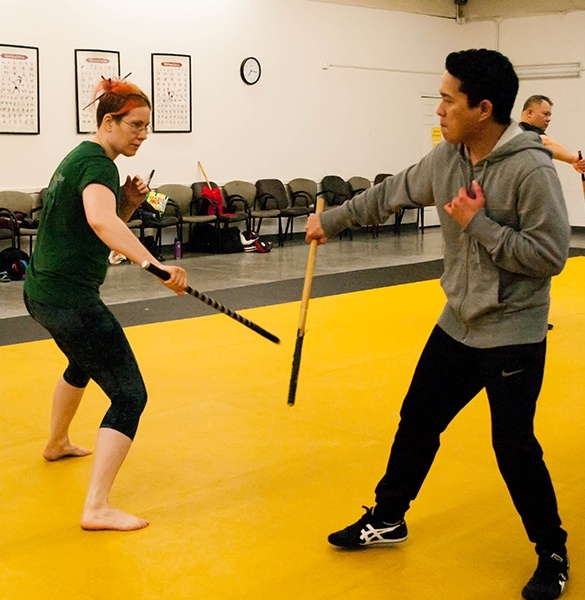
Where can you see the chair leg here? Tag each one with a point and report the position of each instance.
(219, 244)
(158, 245)
(289, 222)
(398, 221)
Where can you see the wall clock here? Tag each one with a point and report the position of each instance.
(250, 70)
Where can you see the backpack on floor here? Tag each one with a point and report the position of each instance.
(13, 262)
(206, 238)
(252, 242)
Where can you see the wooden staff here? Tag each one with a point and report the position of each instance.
(294, 376)
(582, 175)
(204, 174)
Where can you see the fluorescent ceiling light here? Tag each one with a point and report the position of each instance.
(551, 71)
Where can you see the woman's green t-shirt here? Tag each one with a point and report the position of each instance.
(69, 261)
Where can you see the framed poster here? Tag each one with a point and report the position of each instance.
(90, 67)
(19, 89)
(171, 93)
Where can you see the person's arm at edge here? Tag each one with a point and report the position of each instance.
(561, 153)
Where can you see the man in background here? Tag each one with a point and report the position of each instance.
(536, 116)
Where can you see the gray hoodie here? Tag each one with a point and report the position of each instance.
(498, 267)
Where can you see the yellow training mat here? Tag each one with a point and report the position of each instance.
(241, 490)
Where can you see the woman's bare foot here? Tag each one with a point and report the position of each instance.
(106, 517)
(56, 451)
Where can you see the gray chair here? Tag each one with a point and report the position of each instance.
(151, 219)
(302, 195)
(303, 191)
(420, 216)
(241, 195)
(8, 226)
(231, 213)
(357, 185)
(335, 191)
(17, 214)
(182, 195)
(270, 202)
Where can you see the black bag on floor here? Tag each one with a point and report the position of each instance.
(204, 238)
(13, 262)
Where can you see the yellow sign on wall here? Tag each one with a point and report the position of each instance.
(436, 136)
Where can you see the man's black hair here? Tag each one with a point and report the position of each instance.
(536, 99)
(485, 75)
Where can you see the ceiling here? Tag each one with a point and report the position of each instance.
(473, 10)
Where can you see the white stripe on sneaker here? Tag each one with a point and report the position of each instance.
(371, 535)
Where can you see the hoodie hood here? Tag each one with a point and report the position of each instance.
(513, 140)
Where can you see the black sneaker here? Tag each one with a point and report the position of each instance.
(369, 531)
(549, 579)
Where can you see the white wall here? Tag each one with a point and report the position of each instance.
(300, 120)
(554, 39)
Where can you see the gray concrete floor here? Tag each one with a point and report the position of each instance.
(246, 280)
(128, 283)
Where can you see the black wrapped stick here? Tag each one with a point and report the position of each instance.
(296, 365)
(164, 275)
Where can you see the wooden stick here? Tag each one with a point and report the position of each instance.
(204, 175)
(296, 365)
(582, 175)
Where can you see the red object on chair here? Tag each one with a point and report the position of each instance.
(213, 195)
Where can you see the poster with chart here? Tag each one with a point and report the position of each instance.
(90, 67)
(171, 93)
(19, 89)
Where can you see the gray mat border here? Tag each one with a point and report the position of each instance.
(21, 329)
(18, 330)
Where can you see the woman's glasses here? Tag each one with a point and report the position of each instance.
(138, 127)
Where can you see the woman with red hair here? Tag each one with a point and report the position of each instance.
(84, 216)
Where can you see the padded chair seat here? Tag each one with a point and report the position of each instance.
(270, 213)
(296, 211)
(149, 220)
(196, 219)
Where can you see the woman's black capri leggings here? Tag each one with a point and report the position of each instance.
(97, 348)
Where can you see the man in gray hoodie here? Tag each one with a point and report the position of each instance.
(506, 233)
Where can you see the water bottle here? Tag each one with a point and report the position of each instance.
(178, 249)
